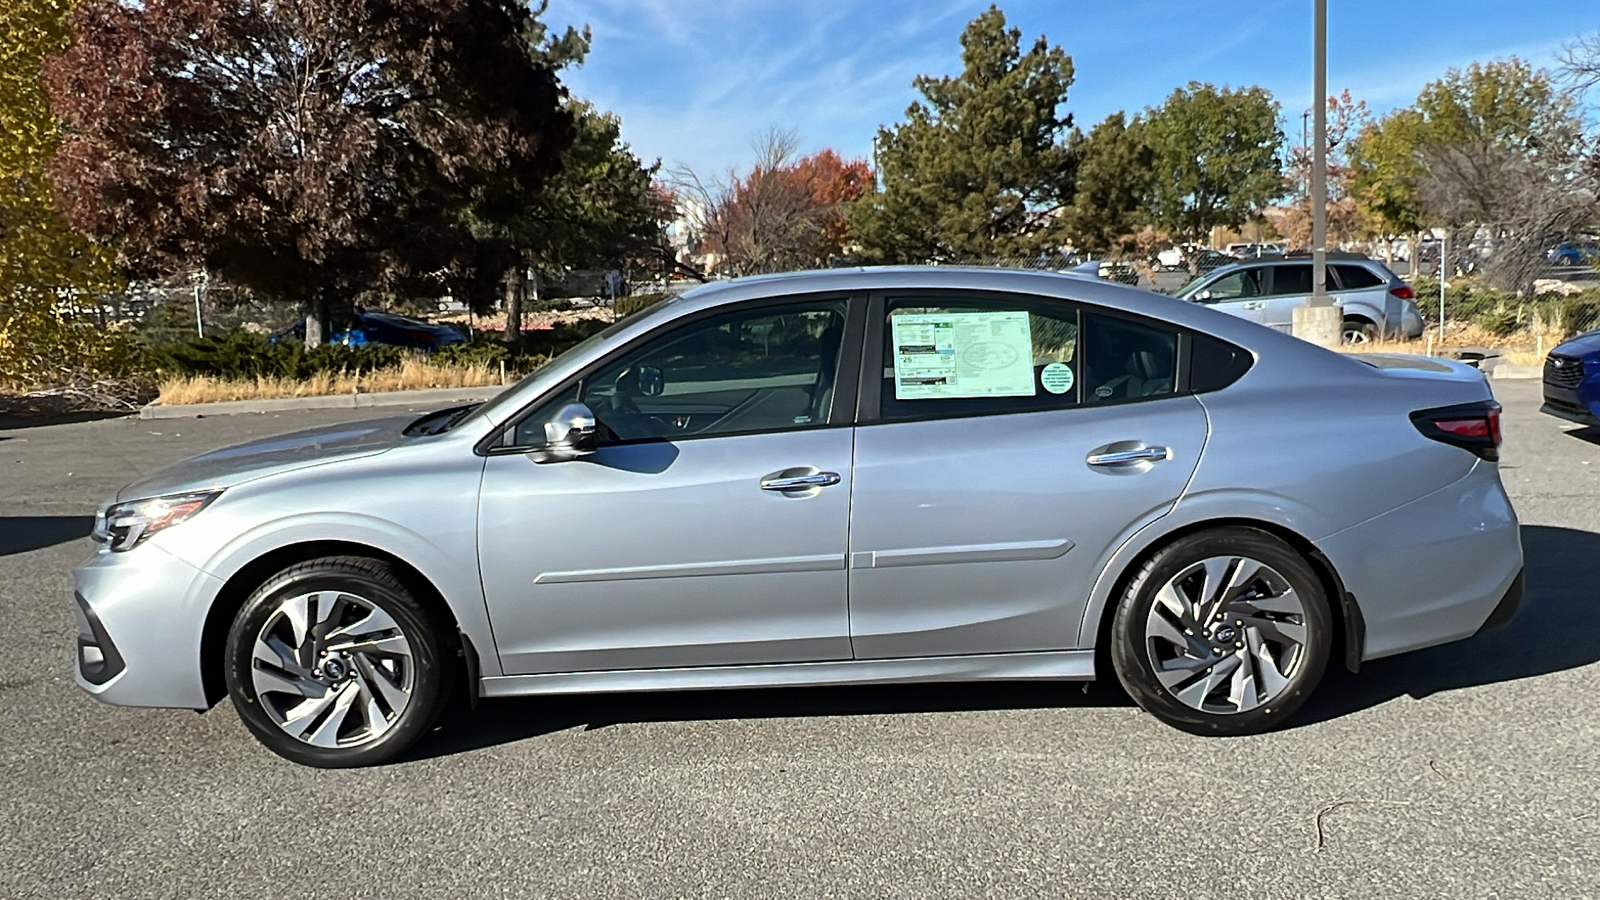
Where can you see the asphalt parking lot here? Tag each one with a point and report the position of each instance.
(1470, 770)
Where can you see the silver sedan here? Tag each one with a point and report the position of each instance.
(847, 477)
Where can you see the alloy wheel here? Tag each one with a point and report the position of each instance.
(332, 669)
(1226, 634)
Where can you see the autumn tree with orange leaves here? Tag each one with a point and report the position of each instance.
(785, 213)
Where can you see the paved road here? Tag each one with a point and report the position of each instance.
(1466, 771)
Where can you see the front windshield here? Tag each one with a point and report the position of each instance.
(582, 347)
(1191, 284)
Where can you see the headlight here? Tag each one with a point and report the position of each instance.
(124, 526)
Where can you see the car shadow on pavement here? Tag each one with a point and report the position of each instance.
(11, 421)
(20, 534)
(1556, 628)
(505, 721)
(1588, 433)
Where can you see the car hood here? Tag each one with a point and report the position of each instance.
(1581, 345)
(244, 462)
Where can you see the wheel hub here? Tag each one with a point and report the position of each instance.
(334, 669)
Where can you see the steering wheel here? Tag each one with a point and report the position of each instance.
(625, 419)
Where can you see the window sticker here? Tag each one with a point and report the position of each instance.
(967, 354)
(1056, 378)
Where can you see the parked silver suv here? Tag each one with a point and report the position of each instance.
(1376, 301)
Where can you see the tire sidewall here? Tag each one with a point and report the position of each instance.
(428, 691)
(1130, 653)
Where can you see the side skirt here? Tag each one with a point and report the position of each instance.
(1070, 665)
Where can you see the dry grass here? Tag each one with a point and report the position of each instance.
(1524, 348)
(412, 374)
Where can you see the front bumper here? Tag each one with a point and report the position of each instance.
(1564, 403)
(140, 619)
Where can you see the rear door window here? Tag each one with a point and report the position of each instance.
(970, 357)
(1292, 279)
(944, 357)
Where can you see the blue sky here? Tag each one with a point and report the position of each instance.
(696, 80)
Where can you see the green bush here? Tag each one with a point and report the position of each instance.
(241, 354)
(627, 306)
(1503, 312)
(483, 349)
(1499, 322)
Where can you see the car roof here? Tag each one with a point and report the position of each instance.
(1079, 286)
(1273, 259)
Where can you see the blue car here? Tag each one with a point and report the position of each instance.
(1572, 380)
(374, 327)
(1575, 253)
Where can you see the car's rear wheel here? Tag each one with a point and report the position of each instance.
(1359, 331)
(1223, 632)
(335, 662)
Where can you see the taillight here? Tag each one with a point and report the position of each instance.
(1404, 292)
(1474, 427)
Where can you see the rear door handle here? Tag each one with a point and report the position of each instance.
(1129, 457)
(780, 482)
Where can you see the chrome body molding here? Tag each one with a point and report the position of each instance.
(822, 562)
(1070, 665)
(932, 556)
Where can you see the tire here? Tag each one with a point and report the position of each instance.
(1169, 625)
(366, 679)
(1358, 331)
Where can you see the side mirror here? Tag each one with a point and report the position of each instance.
(569, 434)
(1203, 297)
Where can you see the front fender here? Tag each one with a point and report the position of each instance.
(454, 574)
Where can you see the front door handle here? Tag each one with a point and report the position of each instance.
(1254, 304)
(782, 482)
(1128, 457)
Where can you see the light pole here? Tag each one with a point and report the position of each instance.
(1319, 321)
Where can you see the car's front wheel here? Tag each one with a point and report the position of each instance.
(334, 662)
(1223, 632)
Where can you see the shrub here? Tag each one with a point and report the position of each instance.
(240, 354)
(1500, 322)
(627, 306)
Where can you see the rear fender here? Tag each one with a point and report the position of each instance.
(1228, 507)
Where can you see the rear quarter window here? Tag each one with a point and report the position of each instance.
(1214, 363)
(1355, 278)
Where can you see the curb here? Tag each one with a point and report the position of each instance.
(431, 397)
(1509, 371)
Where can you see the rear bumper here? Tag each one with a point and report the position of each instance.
(1410, 324)
(1506, 609)
(1435, 570)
